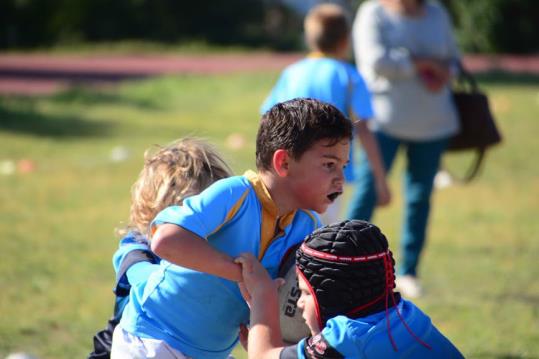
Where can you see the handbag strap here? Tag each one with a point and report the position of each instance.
(465, 78)
(473, 170)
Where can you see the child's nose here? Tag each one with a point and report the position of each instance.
(339, 178)
(300, 303)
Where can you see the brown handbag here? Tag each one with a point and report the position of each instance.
(478, 130)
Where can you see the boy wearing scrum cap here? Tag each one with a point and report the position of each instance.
(346, 277)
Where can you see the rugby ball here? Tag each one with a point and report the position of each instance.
(293, 327)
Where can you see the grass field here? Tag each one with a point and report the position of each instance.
(480, 268)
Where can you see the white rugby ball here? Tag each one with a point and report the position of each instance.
(293, 327)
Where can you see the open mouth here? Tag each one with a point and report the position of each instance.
(334, 196)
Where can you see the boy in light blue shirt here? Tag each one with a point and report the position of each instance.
(191, 306)
(325, 75)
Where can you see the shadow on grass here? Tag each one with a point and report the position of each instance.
(90, 95)
(33, 123)
(502, 356)
(507, 78)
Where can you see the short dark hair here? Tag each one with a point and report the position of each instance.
(295, 126)
(325, 26)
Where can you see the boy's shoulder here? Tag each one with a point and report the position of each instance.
(228, 191)
(328, 66)
(315, 60)
(309, 217)
(227, 186)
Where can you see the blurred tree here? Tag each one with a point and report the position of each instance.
(26, 23)
(481, 25)
(496, 26)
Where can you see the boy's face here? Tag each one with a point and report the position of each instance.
(317, 178)
(307, 304)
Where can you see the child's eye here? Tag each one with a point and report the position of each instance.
(329, 165)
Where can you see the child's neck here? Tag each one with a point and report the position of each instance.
(339, 55)
(279, 193)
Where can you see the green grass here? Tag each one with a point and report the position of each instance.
(56, 223)
(138, 47)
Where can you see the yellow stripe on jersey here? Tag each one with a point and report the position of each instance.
(232, 211)
(272, 225)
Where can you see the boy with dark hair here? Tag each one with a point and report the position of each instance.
(326, 76)
(346, 277)
(191, 306)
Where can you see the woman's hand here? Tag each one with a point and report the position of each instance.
(434, 74)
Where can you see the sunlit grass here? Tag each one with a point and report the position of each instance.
(57, 223)
(136, 47)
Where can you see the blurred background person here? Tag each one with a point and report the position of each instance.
(325, 74)
(406, 52)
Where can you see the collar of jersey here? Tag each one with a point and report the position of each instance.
(273, 226)
(320, 55)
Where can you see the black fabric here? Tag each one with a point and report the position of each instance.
(123, 287)
(103, 341)
(477, 127)
(103, 338)
(341, 287)
(317, 347)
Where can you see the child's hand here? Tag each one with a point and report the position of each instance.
(256, 280)
(244, 336)
(383, 193)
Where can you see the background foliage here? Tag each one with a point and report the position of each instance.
(486, 26)
(496, 26)
(31, 23)
(57, 221)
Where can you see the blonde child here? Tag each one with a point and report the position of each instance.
(170, 174)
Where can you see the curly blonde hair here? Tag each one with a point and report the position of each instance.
(181, 169)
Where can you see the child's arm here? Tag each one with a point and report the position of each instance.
(370, 146)
(182, 247)
(260, 292)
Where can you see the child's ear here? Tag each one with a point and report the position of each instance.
(281, 162)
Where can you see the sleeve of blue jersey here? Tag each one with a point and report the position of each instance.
(278, 93)
(361, 97)
(202, 214)
(127, 244)
(344, 339)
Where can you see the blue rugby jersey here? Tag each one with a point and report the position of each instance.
(326, 79)
(197, 313)
(367, 337)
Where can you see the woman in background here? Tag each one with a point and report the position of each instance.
(406, 52)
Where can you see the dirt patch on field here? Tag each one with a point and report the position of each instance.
(36, 74)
